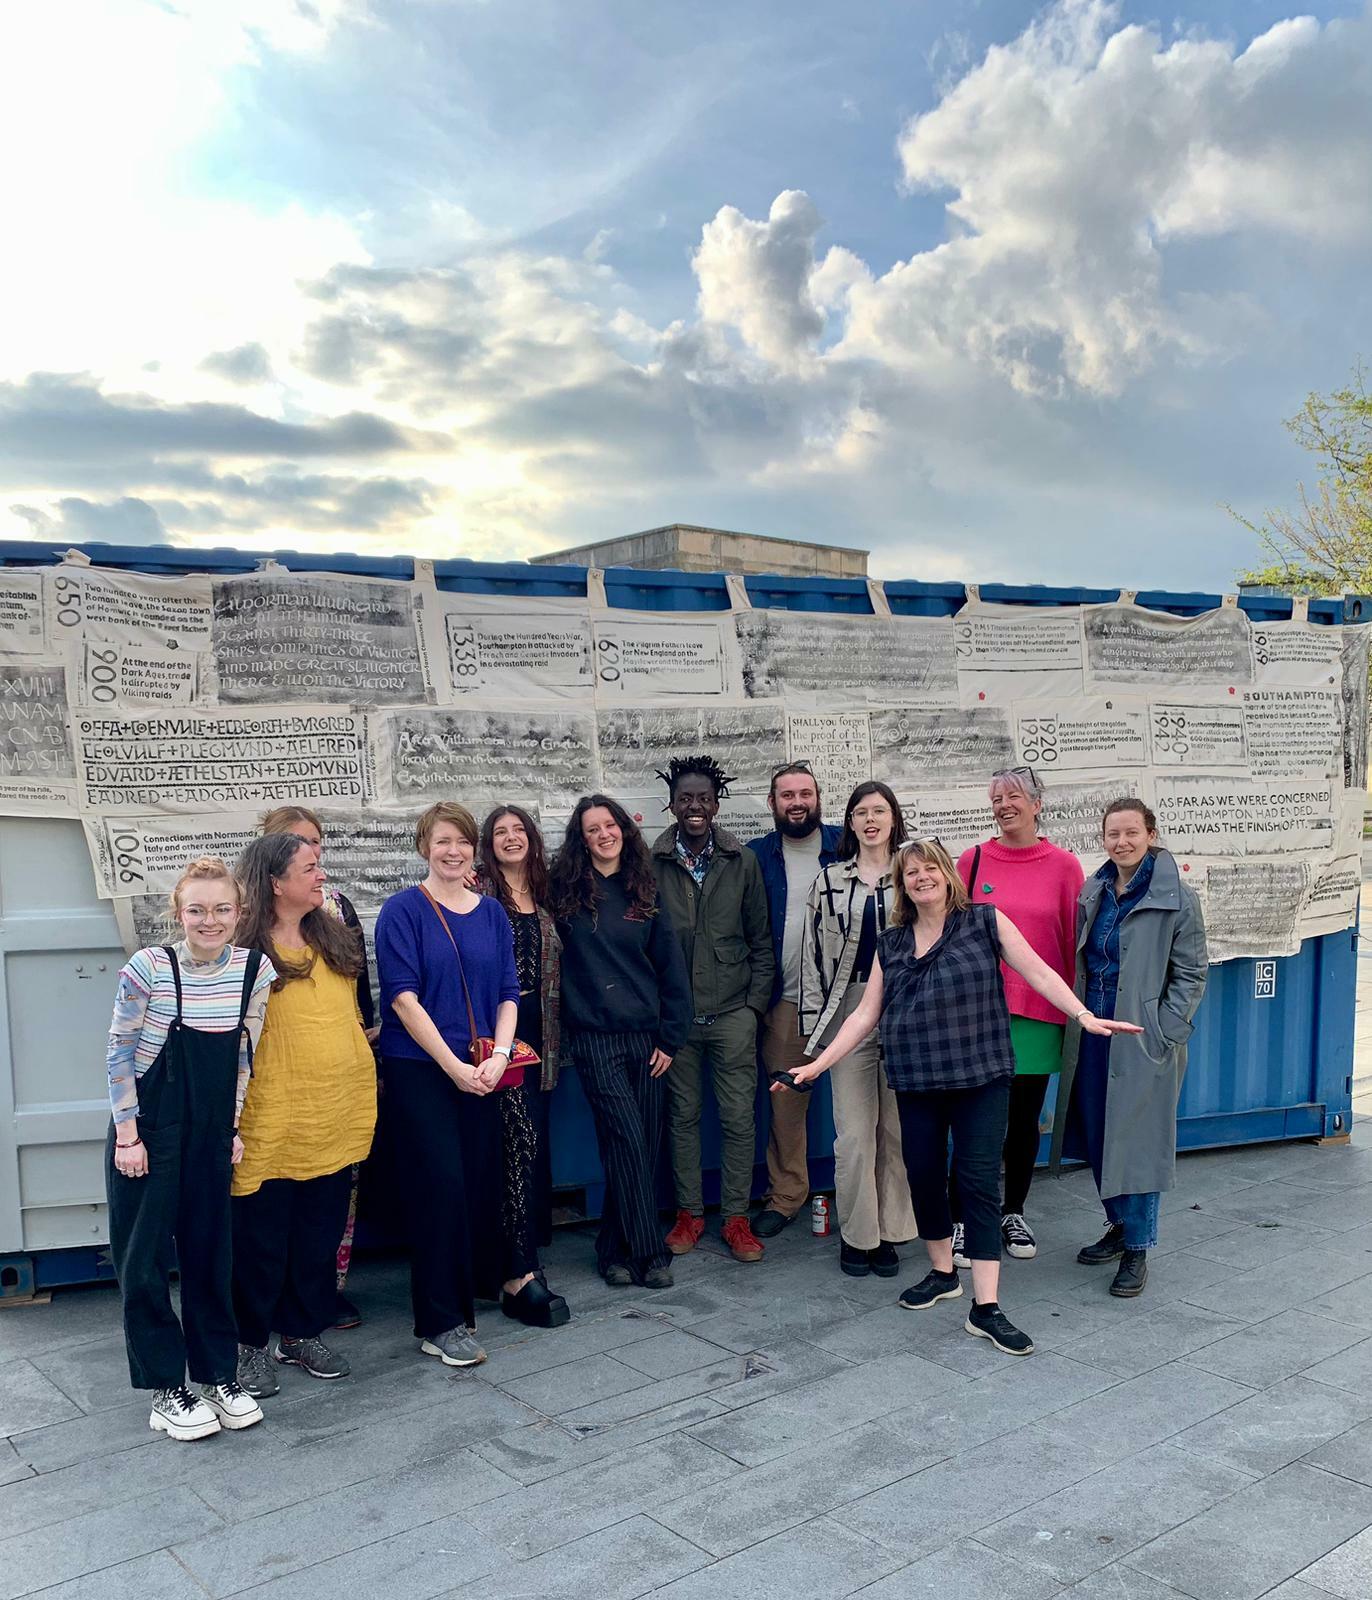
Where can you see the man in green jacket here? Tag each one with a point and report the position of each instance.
(712, 888)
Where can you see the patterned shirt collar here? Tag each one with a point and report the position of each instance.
(696, 862)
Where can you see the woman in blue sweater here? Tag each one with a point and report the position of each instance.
(626, 1010)
(463, 1141)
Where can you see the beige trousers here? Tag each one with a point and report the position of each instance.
(872, 1190)
(788, 1169)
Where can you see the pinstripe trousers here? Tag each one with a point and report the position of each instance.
(629, 1108)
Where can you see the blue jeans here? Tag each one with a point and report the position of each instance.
(1137, 1214)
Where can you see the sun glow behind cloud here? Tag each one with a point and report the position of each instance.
(1123, 212)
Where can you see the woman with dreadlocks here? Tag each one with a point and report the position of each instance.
(712, 888)
(626, 1011)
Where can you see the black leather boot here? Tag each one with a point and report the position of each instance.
(1109, 1247)
(1132, 1274)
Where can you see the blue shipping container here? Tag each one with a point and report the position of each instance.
(1271, 1057)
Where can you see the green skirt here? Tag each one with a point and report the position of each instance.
(1037, 1046)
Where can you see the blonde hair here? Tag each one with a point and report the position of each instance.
(445, 811)
(932, 853)
(281, 818)
(203, 870)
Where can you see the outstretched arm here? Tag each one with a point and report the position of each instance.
(1017, 953)
(854, 1030)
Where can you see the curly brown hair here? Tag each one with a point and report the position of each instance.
(536, 863)
(574, 884)
(269, 857)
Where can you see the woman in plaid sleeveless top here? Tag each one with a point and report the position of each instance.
(936, 991)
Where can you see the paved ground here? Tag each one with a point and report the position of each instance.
(771, 1430)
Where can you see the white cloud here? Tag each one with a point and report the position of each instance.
(754, 277)
(1077, 153)
(1037, 364)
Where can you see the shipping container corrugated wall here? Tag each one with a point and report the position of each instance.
(1270, 1059)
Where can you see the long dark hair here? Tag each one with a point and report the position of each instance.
(269, 857)
(535, 864)
(575, 884)
(848, 840)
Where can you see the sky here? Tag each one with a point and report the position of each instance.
(999, 291)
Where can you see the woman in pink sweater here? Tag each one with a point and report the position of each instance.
(1036, 885)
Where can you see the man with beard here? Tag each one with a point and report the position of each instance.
(712, 889)
(790, 857)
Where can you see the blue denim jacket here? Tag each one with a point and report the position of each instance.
(1102, 948)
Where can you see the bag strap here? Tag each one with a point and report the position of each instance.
(976, 863)
(176, 977)
(461, 970)
(251, 968)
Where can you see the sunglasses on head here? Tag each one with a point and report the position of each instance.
(1025, 772)
(919, 839)
(797, 767)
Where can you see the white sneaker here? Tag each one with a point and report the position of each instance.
(1018, 1236)
(181, 1414)
(231, 1403)
(960, 1256)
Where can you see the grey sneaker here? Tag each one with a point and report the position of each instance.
(456, 1348)
(255, 1375)
(960, 1256)
(312, 1356)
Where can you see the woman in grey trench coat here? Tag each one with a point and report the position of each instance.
(1141, 950)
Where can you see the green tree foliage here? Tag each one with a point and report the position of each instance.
(1325, 545)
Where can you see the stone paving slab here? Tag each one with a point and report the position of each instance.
(774, 1429)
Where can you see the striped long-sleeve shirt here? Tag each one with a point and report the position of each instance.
(145, 1008)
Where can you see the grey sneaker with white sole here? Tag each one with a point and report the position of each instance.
(255, 1373)
(455, 1348)
(312, 1356)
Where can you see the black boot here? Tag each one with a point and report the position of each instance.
(852, 1260)
(1109, 1247)
(883, 1260)
(1132, 1274)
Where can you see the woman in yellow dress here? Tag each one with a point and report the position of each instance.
(309, 1115)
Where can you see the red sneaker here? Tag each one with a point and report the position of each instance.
(740, 1238)
(686, 1234)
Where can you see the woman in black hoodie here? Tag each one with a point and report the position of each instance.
(626, 1009)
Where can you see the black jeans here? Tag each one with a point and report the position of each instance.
(976, 1119)
(1027, 1092)
(285, 1256)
